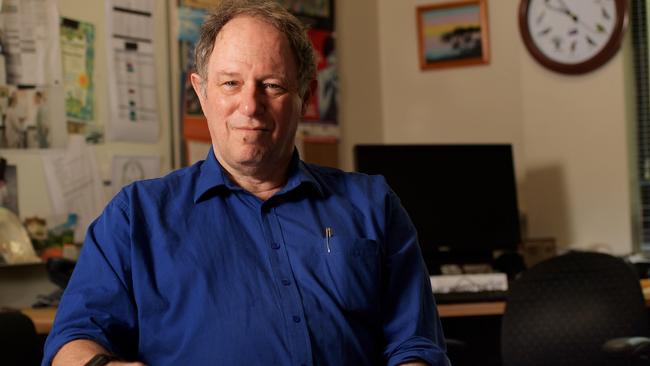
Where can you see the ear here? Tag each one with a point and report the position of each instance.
(311, 90)
(199, 87)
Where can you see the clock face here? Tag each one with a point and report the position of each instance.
(573, 36)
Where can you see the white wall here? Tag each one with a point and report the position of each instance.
(360, 99)
(576, 144)
(570, 133)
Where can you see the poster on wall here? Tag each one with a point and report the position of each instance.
(131, 63)
(26, 123)
(323, 105)
(78, 54)
(31, 92)
(320, 121)
(317, 14)
(130, 168)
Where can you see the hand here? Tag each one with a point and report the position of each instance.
(80, 351)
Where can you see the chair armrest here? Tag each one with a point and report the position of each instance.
(627, 347)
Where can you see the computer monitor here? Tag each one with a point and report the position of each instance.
(462, 199)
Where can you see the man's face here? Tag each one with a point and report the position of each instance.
(250, 97)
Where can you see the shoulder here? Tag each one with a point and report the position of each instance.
(350, 184)
(175, 186)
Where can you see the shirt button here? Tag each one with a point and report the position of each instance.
(275, 245)
(296, 319)
(286, 282)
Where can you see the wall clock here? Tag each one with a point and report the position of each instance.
(572, 36)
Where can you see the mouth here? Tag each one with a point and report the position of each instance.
(250, 129)
(253, 128)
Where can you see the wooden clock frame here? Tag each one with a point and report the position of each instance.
(610, 49)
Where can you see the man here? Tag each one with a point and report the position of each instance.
(251, 257)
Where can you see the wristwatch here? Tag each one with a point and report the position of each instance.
(101, 359)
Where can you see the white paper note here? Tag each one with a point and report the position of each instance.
(74, 183)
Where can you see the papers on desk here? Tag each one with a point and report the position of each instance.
(74, 183)
(469, 283)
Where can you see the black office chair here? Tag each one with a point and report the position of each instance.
(564, 311)
(19, 343)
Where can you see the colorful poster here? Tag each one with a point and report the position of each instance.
(323, 105)
(314, 8)
(78, 55)
(189, 23)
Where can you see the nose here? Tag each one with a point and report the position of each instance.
(251, 103)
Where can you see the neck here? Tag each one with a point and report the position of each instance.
(262, 183)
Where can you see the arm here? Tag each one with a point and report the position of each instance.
(411, 324)
(97, 311)
(80, 351)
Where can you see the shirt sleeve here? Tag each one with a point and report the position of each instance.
(410, 319)
(98, 302)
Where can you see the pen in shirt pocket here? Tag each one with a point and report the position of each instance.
(328, 235)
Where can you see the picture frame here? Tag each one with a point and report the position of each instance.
(453, 34)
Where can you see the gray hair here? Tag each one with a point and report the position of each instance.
(270, 12)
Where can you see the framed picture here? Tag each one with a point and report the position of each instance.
(453, 34)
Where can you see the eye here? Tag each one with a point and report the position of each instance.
(230, 84)
(273, 88)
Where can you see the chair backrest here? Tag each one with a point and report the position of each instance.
(561, 311)
(19, 343)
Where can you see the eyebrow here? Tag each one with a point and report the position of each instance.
(237, 74)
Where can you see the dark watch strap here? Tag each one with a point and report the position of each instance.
(101, 359)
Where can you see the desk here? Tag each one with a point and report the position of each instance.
(471, 309)
(498, 307)
(43, 318)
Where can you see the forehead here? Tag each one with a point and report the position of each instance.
(251, 41)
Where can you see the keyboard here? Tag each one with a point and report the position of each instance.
(470, 296)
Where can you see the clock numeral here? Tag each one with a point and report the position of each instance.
(540, 17)
(557, 42)
(544, 31)
(573, 46)
(590, 41)
(600, 28)
(606, 14)
(573, 32)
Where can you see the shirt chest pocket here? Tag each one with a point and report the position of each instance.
(353, 266)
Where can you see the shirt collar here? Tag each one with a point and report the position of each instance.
(213, 178)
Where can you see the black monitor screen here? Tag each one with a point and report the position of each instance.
(461, 198)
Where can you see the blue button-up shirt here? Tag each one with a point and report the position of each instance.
(190, 269)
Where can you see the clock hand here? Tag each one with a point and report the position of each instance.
(564, 9)
(599, 27)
